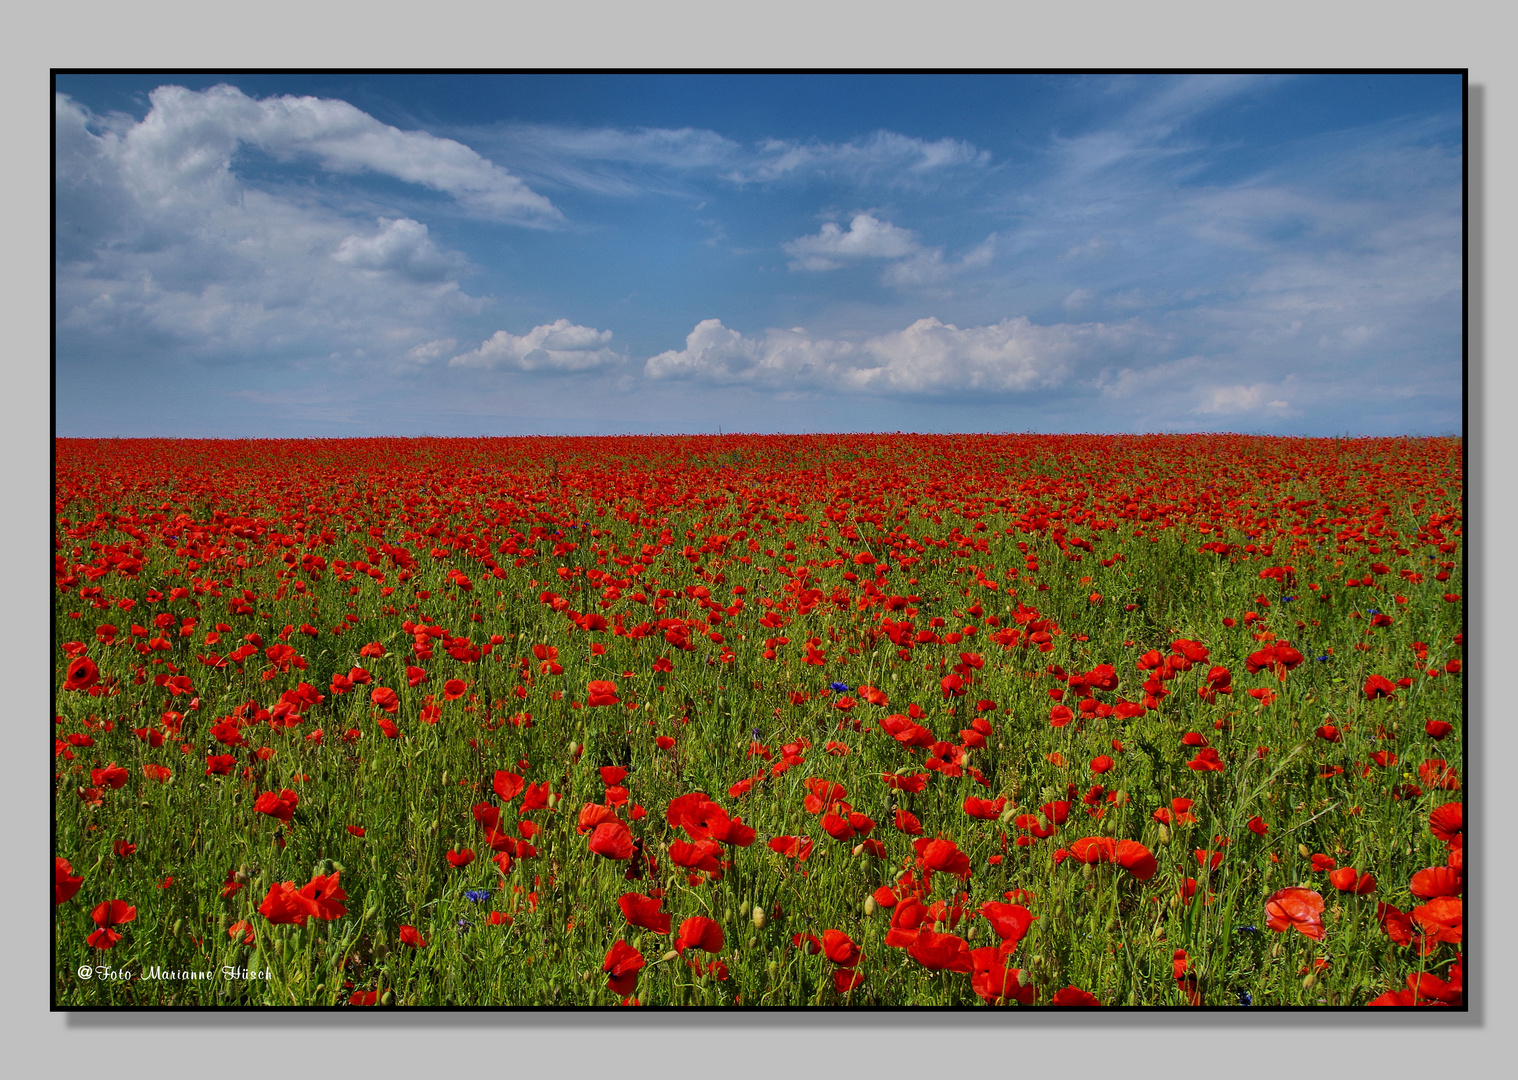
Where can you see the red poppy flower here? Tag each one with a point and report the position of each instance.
(460, 859)
(1378, 686)
(1441, 919)
(1438, 729)
(326, 895)
(1136, 859)
(840, 948)
(845, 980)
(1073, 996)
(385, 698)
(112, 776)
(794, 847)
(993, 981)
(1206, 760)
(1348, 879)
(507, 785)
(1294, 907)
(643, 912)
(454, 689)
(613, 840)
(622, 965)
(279, 805)
(1448, 821)
(82, 674)
(701, 855)
(699, 932)
(1257, 825)
(1010, 921)
(944, 855)
(810, 944)
(107, 916)
(602, 692)
(986, 809)
(908, 823)
(410, 936)
(64, 884)
(941, 952)
(1437, 881)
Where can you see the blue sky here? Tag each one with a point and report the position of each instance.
(299, 255)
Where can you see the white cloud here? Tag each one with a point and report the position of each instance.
(189, 138)
(557, 346)
(401, 245)
(1257, 398)
(884, 157)
(928, 357)
(867, 237)
(164, 246)
(626, 161)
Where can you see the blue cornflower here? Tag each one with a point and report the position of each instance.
(1325, 656)
(1372, 611)
(1244, 998)
(1287, 599)
(754, 732)
(1249, 929)
(838, 687)
(478, 896)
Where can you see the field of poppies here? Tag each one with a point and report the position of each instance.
(872, 720)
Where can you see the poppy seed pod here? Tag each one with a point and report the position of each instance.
(869, 905)
(759, 918)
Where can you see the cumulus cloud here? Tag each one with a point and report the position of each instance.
(189, 138)
(400, 245)
(928, 357)
(558, 346)
(165, 245)
(868, 237)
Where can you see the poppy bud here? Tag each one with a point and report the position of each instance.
(869, 905)
(1023, 978)
(574, 749)
(1304, 851)
(1164, 835)
(445, 777)
(1008, 814)
(178, 926)
(1307, 982)
(1275, 951)
(388, 998)
(671, 955)
(240, 876)
(772, 968)
(759, 918)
